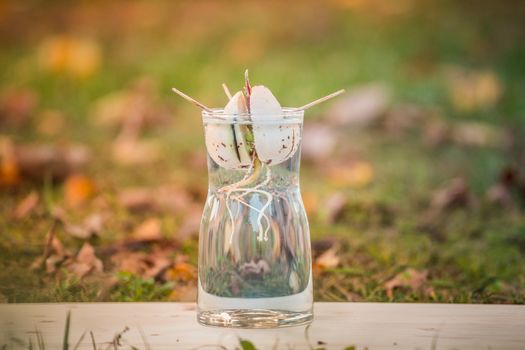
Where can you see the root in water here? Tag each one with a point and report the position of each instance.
(240, 188)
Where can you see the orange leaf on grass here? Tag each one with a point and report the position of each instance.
(75, 56)
(327, 260)
(149, 230)
(9, 169)
(78, 189)
(183, 272)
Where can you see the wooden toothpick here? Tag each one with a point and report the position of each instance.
(227, 91)
(192, 100)
(322, 99)
(247, 84)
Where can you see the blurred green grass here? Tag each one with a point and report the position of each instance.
(301, 50)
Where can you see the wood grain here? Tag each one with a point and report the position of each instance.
(371, 325)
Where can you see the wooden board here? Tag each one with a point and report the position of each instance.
(365, 325)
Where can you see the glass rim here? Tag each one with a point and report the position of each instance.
(218, 114)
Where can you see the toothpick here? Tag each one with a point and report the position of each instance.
(192, 100)
(322, 99)
(247, 84)
(227, 91)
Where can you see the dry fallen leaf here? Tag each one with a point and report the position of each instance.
(131, 151)
(26, 205)
(39, 161)
(129, 261)
(356, 175)
(143, 199)
(138, 199)
(187, 293)
(91, 226)
(410, 278)
(499, 194)
(85, 262)
(455, 193)
(54, 252)
(319, 246)
(137, 108)
(437, 131)
(473, 90)
(146, 265)
(191, 224)
(327, 260)
(78, 189)
(361, 107)
(319, 141)
(53, 262)
(148, 231)
(16, 105)
(334, 207)
(511, 181)
(182, 272)
(75, 56)
(9, 170)
(478, 134)
(452, 195)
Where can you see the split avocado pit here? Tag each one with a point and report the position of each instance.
(238, 145)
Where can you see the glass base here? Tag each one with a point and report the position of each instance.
(253, 318)
(282, 311)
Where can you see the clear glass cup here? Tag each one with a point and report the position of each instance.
(254, 241)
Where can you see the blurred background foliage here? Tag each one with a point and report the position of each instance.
(414, 181)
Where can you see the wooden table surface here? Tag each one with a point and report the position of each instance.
(336, 326)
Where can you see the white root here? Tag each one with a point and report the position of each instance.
(261, 212)
(263, 233)
(228, 189)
